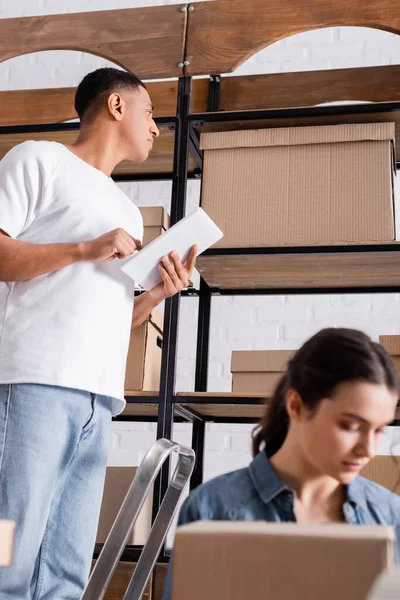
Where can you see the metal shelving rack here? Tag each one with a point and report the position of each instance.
(200, 407)
(183, 48)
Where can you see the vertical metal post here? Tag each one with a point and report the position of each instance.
(201, 377)
(203, 338)
(171, 315)
(198, 440)
(214, 93)
(203, 329)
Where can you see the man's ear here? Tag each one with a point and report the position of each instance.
(115, 105)
(294, 406)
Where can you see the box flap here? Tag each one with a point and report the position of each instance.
(276, 196)
(391, 343)
(260, 360)
(286, 530)
(297, 136)
(154, 216)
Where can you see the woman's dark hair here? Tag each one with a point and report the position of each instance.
(101, 83)
(329, 358)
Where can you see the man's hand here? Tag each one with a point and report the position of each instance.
(175, 275)
(115, 244)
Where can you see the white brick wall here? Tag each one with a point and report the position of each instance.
(241, 322)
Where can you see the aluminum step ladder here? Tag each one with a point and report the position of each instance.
(128, 514)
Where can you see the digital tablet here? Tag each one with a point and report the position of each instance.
(197, 228)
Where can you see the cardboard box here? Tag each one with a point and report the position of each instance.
(143, 365)
(116, 486)
(279, 561)
(7, 530)
(392, 344)
(384, 470)
(300, 185)
(155, 221)
(258, 371)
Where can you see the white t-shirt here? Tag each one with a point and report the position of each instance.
(69, 328)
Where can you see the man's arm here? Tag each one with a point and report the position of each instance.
(20, 261)
(175, 277)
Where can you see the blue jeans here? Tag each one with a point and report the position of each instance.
(53, 455)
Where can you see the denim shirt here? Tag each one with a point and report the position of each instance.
(256, 493)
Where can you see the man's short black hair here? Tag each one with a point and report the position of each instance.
(100, 84)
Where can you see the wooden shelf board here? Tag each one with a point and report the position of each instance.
(237, 411)
(160, 160)
(225, 404)
(238, 93)
(148, 40)
(223, 35)
(276, 90)
(302, 270)
(222, 405)
(221, 395)
(140, 410)
(141, 393)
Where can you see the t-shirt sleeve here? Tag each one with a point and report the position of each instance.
(21, 187)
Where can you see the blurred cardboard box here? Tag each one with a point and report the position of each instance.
(384, 470)
(155, 222)
(143, 365)
(7, 530)
(279, 561)
(116, 486)
(392, 344)
(258, 371)
(300, 185)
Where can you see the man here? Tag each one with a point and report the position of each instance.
(65, 319)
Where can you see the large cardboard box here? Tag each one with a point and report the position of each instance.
(384, 470)
(392, 344)
(155, 222)
(279, 561)
(258, 371)
(116, 486)
(143, 364)
(7, 529)
(300, 185)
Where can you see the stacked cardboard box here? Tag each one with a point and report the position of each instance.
(155, 222)
(258, 371)
(279, 561)
(143, 363)
(392, 344)
(300, 185)
(384, 470)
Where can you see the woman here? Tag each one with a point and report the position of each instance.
(322, 426)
